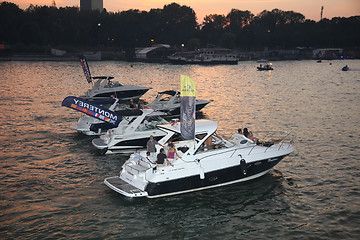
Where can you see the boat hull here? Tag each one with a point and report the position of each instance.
(120, 94)
(125, 145)
(176, 111)
(240, 173)
(212, 179)
(202, 62)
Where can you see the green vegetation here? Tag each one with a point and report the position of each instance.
(39, 28)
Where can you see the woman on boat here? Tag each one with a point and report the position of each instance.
(171, 153)
(249, 135)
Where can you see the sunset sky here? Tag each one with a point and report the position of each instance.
(309, 8)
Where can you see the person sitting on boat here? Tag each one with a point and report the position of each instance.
(132, 104)
(147, 123)
(249, 136)
(239, 133)
(140, 104)
(161, 157)
(171, 152)
(239, 136)
(138, 156)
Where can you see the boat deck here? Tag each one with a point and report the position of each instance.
(122, 187)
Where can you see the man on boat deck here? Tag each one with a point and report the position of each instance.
(150, 145)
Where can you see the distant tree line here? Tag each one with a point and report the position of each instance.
(173, 24)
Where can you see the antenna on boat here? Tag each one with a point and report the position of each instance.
(321, 13)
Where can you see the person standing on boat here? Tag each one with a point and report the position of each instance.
(171, 153)
(150, 145)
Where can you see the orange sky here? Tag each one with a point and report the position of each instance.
(309, 8)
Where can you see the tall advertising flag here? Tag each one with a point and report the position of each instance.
(92, 109)
(86, 68)
(187, 108)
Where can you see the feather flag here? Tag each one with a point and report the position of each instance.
(187, 107)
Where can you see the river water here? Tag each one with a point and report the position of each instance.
(52, 178)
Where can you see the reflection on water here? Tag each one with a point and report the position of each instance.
(52, 178)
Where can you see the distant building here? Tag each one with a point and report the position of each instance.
(91, 5)
(156, 53)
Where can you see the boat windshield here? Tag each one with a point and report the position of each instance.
(214, 142)
(150, 123)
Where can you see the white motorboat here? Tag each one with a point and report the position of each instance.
(169, 102)
(90, 126)
(104, 87)
(93, 127)
(205, 162)
(132, 133)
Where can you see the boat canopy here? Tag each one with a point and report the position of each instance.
(169, 92)
(103, 77)
(201, 126)
(104, 101)
(129, 112)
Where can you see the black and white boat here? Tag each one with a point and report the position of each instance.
(205, 162)
(132, 133)
(169, 102)
(345, 68)
(104, 87)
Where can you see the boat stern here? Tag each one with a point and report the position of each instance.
(99, 143)
(124, 188)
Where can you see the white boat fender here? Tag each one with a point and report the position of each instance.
(243, 166)
(201, 170)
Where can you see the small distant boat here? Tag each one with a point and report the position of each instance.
(262, 61)
(345, 68)
(105, 88)
(266, 67)
(169, 102)
(318, 61)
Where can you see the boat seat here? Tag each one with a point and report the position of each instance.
(134, 169)
(183, 149)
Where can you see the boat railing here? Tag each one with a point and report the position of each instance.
(269, 138)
